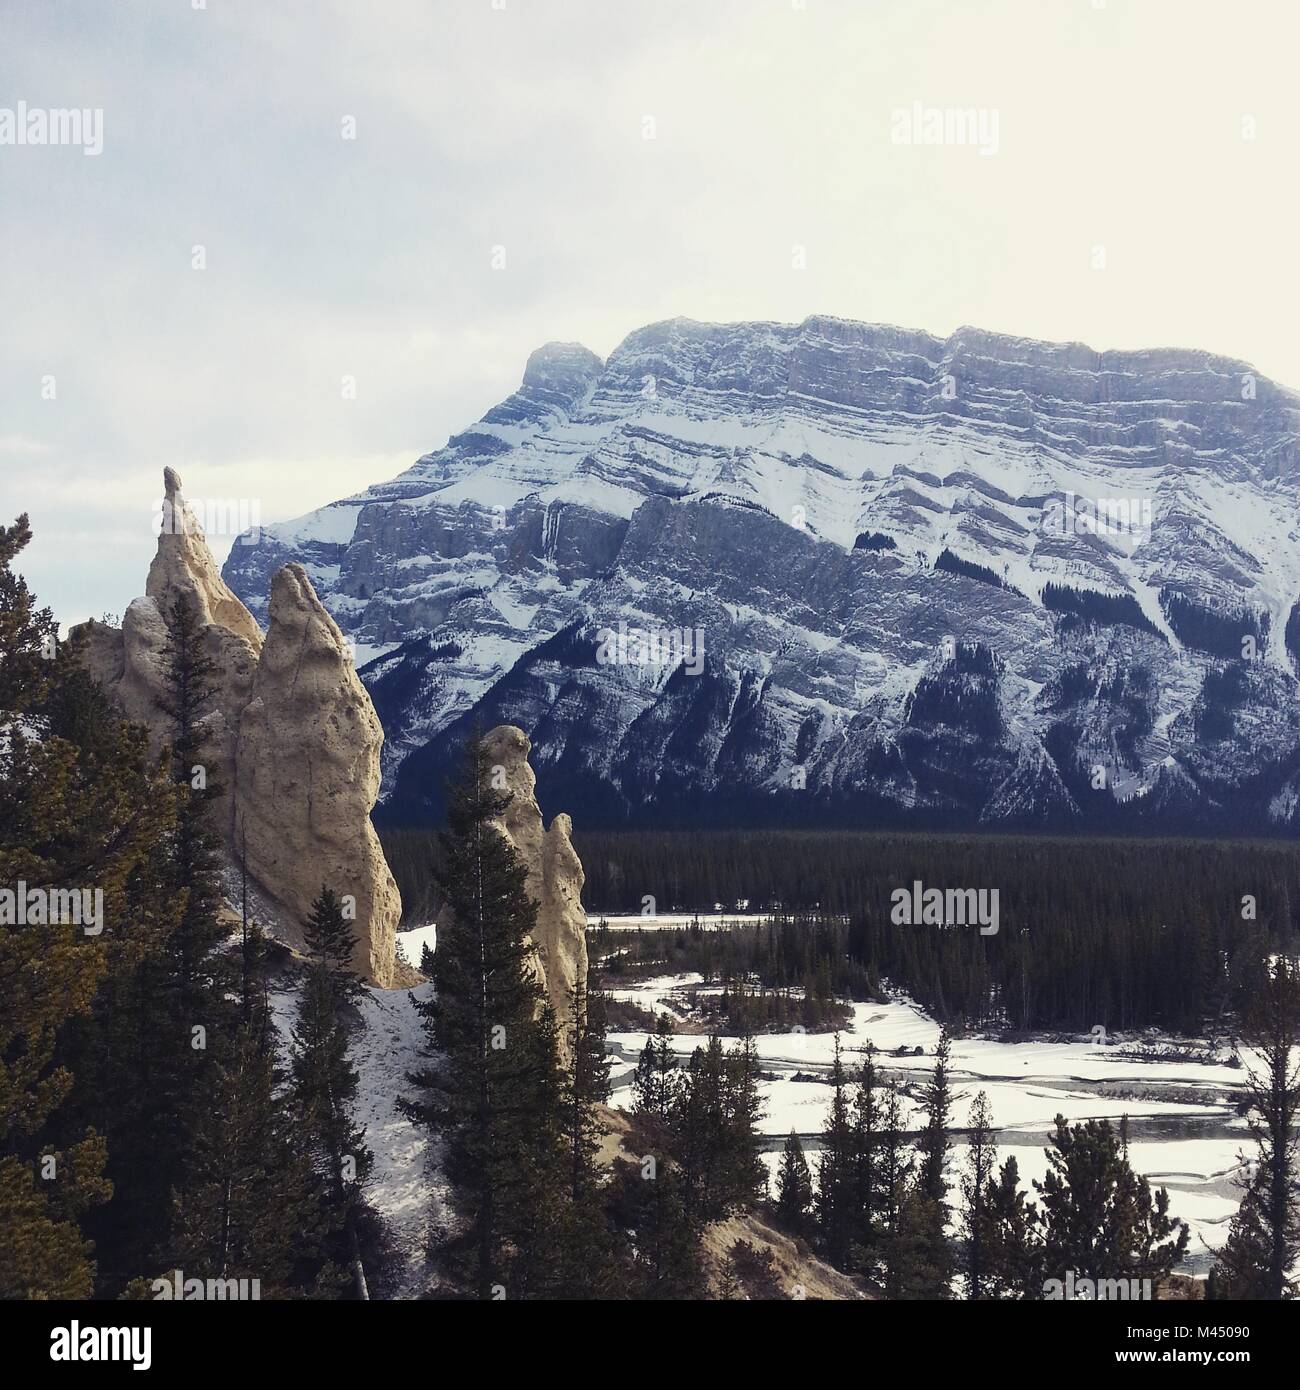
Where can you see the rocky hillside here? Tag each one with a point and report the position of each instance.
(865, 575)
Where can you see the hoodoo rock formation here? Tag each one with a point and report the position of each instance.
(292, 737)
(307, 773)
(555, 875)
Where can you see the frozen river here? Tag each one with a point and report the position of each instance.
(1184, 1130)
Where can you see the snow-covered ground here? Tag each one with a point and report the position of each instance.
(1187, 1142)
(406, 1185)
(675, 921)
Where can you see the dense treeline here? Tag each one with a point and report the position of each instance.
(1084, 880)
(1211, 630)
(775, 975)
(955, 564)
(1123, 933)
(1109, 610)
(1053, 978)
(148, 1122)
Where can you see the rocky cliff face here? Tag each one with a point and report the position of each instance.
(555, 875)
(292, 737)
(866, 576)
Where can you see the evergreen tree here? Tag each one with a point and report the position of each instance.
(895, 1166)
(698, 1139)
(79, 813)
(1099, 1218)
(667, 1261)
(745, 1176)
(981, 1159)
(250, 1206)
(794, 1188)
(645, 1081)
(835, 1169)
(188, 696)
(586, 1087)
(324, 1091)
(932, 1149)
(917, 1258)
(654, 1081)
(331, 941)
(1264, 1238)
(587, 1259)
(1241, 1268)
(665, 1063)
(186, 988)
(495, 1095)
(865, 1163)
(1012, 1248)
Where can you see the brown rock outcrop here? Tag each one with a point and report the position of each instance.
(292, 737)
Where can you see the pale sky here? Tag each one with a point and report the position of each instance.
(1165, 131)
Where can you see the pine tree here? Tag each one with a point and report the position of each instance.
(324, 1091)
(1012, 1248)
(79, 812)
(587, 1259)
(794, 1192)
(188, 696)
(667, 1261)
(981, 1158)
(250, 1206)
(495, 1095)
(932, 1149)
(865, 1164)
(916, 1253)
(665, 1064)
(1099, 1218)
(187, 987)
(917, 1258)
(1241, 1268)
(895, 1167)
(644, 1081)
(1264, 1238)
(330, 940)
(586, 1086)
(835, 1170)
(744, 1174)
(698, 1124)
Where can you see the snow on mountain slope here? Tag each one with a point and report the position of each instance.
(937, 580)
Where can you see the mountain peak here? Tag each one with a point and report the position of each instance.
(834, 504)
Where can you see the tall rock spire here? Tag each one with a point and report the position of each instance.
(292, 737)
(307, 767)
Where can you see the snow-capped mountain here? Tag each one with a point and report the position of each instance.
(864, 576)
